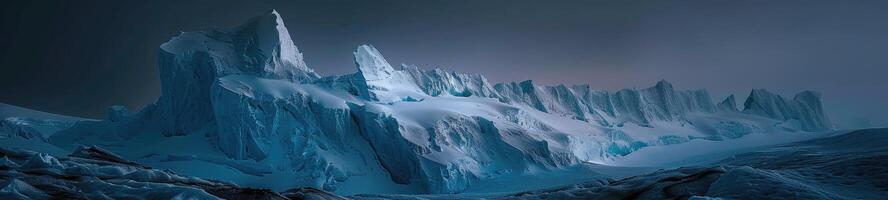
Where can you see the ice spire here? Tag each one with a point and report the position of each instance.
(265, 42)
(371, 64)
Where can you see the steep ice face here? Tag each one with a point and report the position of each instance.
(762, 102)
(290, 126)
(378, 81)
(525, 93)
(550, 99)
(446, 151)
(729, 104)
(191, 62)
(658, 103)
(805, 108)
(371, 65)
(811, 113)
(262, 111)
(437, 82)
(260, 47)
(663, 103)
(265, 45)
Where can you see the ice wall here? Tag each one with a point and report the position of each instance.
(248, 89)
(806, 108)
(191, 62)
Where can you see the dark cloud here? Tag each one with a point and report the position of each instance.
(78, 57)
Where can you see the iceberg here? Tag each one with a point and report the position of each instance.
(729, 104)
(243, 98)
(806, 108)
(191, 62)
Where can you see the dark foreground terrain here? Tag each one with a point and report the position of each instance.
(846, 166)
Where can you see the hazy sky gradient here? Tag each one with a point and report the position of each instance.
(78, 57)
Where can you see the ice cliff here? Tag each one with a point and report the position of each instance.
(191, 63)
(247, 93)
(659, 103)
(805, 108)
(729, 104)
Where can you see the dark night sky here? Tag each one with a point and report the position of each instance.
(78, 57)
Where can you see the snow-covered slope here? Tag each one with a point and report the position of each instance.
(31, 124)
(26, 128)
(241, 105)
(191, 63)
(643, 107)
(847, 166)
(94, 173)
(839, 165)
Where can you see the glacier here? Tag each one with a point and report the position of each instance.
(241, 103)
